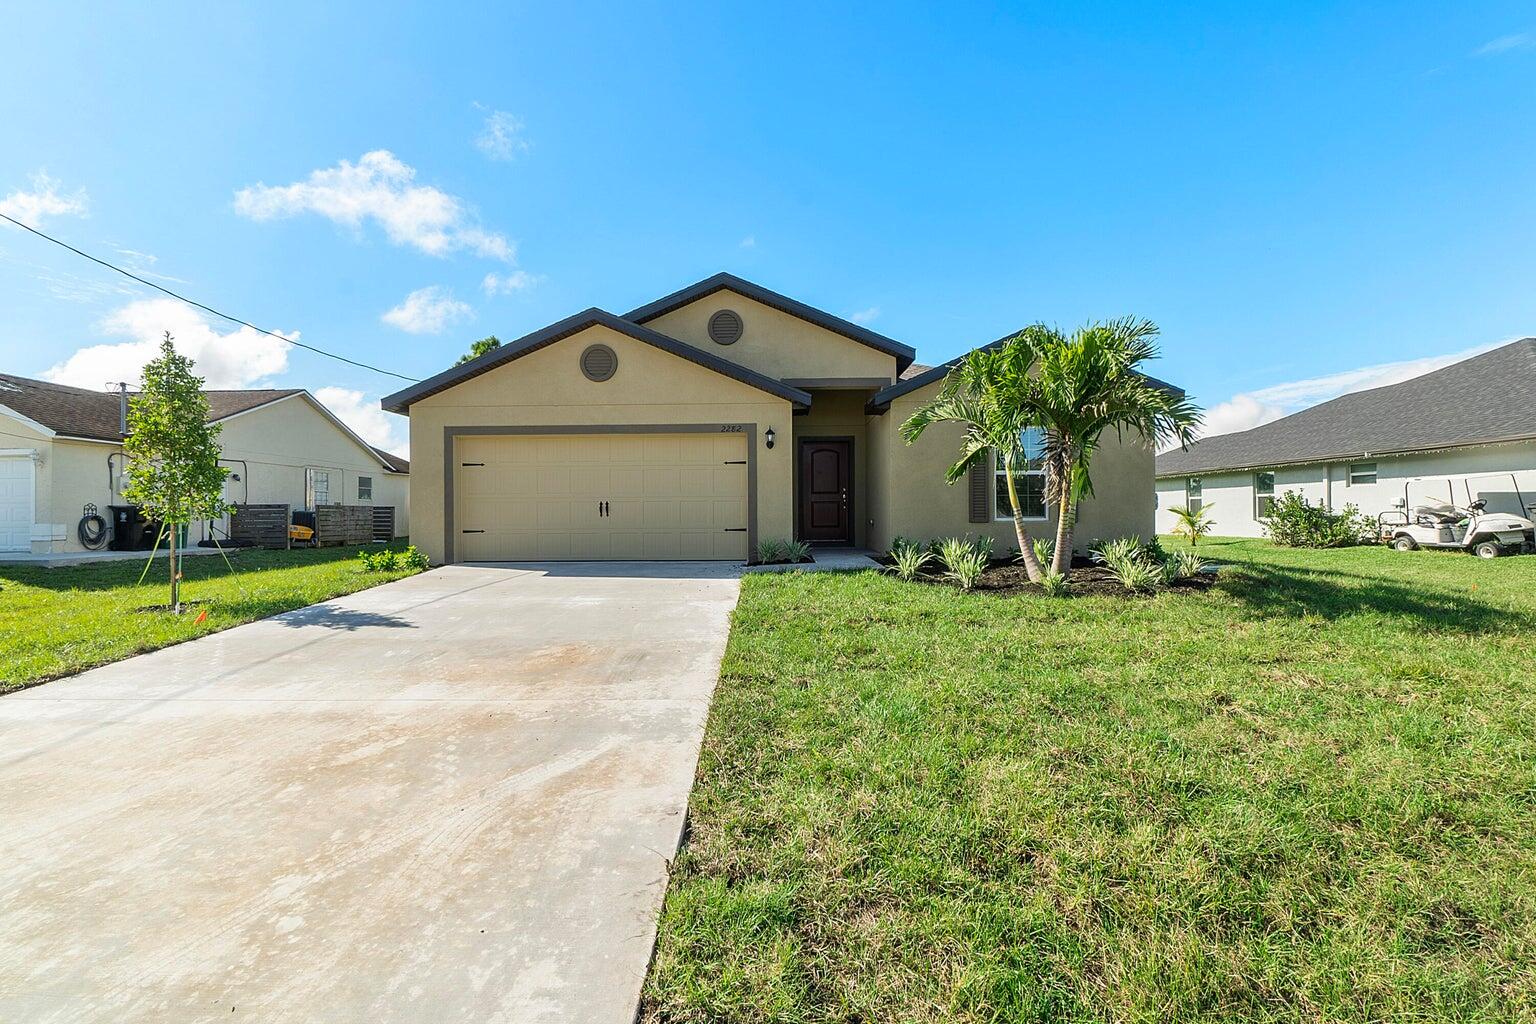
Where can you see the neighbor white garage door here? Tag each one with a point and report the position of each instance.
(15, 503)
(540, 497)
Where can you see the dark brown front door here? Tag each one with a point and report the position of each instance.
(826, 490)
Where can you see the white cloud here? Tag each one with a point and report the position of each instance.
(380, 188)
(362, 413)
(427, 311)
(750, 242)
(45, 200)
(1504, 44)
(865, 316)
(502, 136)
(238, 359)
(1255, 408)
(512, 281)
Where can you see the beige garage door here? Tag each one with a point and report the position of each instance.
(548, 497)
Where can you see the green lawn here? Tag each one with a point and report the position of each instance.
(57, 621)
(1308, 794)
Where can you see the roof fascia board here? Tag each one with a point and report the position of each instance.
(400, 401)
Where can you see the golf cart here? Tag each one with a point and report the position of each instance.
(1435, 520)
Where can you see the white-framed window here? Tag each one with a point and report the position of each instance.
(317, 487)
(365, 488)
(1028, 479)
(1362, 473)
(1192, 494)
(1263, 493)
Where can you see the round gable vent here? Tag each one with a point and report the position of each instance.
(599, 362)
(725, 327)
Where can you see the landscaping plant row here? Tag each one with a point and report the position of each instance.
(1126, 565)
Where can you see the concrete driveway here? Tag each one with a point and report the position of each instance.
(451, 798)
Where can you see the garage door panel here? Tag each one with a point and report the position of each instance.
(537, 497)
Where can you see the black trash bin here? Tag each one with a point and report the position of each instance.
(130, 530)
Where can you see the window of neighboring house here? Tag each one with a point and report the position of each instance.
(1362, 473)
(365, 488)
(1028, 479)
(317, 488)
(1192, 499)
(1263, 494)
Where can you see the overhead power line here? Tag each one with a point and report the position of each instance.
(206, 309)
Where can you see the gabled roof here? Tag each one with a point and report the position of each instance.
(394, 462)
(881, 400)
(1485, 399)
(80, 413)
(95, 415)
(400, 401)
(783, 303)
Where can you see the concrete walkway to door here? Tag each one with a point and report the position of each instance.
(451, 798)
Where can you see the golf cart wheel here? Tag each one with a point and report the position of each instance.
(1488, 549)
(1404, 543)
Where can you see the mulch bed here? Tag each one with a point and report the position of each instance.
(1006, 577)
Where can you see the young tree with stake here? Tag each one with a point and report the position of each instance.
(172, 451)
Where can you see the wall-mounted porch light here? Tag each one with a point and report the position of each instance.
(768, 437)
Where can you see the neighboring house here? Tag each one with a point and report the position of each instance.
(1455, 434)
(699, 424)
(61, 449)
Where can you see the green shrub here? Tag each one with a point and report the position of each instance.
(1295, 524)
(965, 560)
(910, 560)
(1054, 584)
(389, 560)
(771, 551)
(1141, 575)
(1182, 565)
(797, 551)
(1045, 549)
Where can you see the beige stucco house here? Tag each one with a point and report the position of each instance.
(61, 450)
(699, 424)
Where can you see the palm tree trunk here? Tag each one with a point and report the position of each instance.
(1026, 547)
(1066, 521)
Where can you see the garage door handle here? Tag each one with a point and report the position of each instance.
(471, 531)
(735, 462)
(735, 529)
(471, 463)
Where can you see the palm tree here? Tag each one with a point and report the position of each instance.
(1085, 384)
(1193, 524)
(988, 392)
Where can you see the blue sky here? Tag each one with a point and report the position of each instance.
(1299, 194)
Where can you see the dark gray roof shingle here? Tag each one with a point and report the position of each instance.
(1489, 397)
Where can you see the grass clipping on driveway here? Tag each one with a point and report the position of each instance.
(57, 621)
(1306, 794)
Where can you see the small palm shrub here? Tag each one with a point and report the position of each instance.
(965, 560)
(1193, 525)
(1296, 524)
(910, 560)
(1054, 584)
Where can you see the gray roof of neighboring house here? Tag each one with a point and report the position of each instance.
(400, 401)
(910, 381)
(395, 463)
(80, 412)
(1487, 398)
(904, 353)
